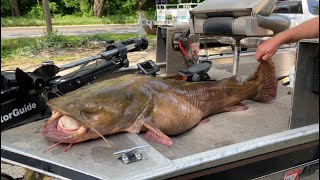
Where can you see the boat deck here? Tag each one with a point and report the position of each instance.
(94, 159)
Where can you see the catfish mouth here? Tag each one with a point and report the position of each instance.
(64, 129)
(69, 125)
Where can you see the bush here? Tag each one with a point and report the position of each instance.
(52, 40)
(35, 12)
(5, 7)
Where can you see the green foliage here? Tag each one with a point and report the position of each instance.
(54, 8)
(128, 7)
(17, 47)
(21, 21)
(68, 19)
(5, 7)
(86, 8)
(52, 40)
(75, 20)
(12, 48)
(122, 7)
(35, 12)
(120, 19)
(80, 7)
(71, 3)
(66, 12)
(33, 8)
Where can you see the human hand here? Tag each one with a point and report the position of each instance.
(266, 49)
(195, 48)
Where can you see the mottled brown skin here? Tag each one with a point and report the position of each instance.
(133, 103)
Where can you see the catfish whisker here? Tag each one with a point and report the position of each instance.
(68, 147)
(51, 147)
(110, 145)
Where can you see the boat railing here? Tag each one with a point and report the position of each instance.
(178, 13)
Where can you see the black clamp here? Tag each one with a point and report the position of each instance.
(148, 68)
(139, 44)
(122, 53)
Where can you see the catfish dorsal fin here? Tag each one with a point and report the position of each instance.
(233, 79)
(265, 78)
(178, 77)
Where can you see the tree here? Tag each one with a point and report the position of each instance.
(98, 8)
(47, 15)
(107, 7)
(140, 3)
(15, 8)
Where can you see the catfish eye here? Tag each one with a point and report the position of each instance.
(89, 110)
(91, 106)
(73, 105)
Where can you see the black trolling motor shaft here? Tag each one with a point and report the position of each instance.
(131, 45)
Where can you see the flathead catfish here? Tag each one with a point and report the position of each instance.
(160, 107)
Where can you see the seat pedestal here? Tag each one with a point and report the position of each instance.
(236, 57)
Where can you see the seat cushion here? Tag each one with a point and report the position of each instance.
(233, 8)
(242, 26)
(276, 23)
(218, 26)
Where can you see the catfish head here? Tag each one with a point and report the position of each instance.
(101, 109)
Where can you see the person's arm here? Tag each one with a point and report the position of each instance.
(306, 30)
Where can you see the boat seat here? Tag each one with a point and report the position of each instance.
(238, 19)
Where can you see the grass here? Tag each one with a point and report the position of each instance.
(13, 49)
(68, 20)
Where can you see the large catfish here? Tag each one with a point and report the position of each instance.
(157, 106)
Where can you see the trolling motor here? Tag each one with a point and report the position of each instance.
(113, 58)
(24, 95)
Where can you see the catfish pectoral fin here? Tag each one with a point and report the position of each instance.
(237, 107)
(144, 117)
(156, 135)
(203, 121)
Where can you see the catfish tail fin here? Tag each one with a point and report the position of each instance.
(266, 80)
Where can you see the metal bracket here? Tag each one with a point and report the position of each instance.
(131, 155)
(148, 68)
(197, 72)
